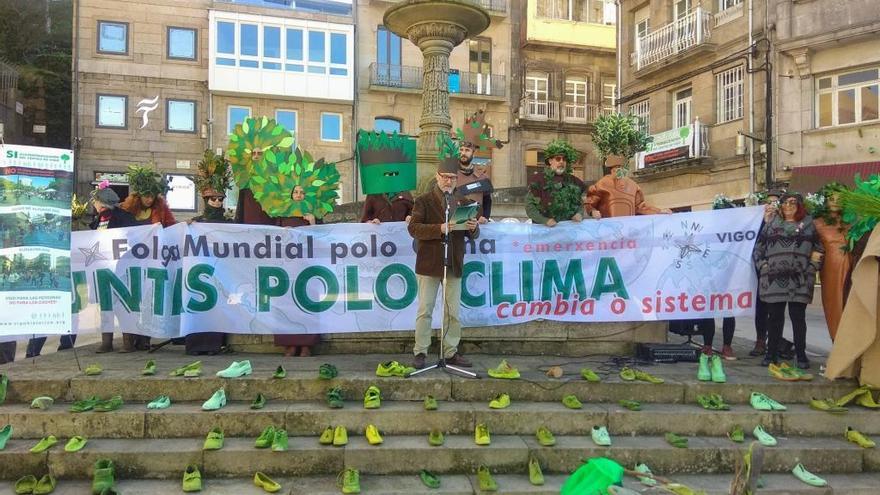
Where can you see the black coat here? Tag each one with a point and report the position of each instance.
(118, 218)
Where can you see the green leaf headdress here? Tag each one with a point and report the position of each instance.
(278, 175)
(448, 154)
(215, 174)
(255, 140)
(145, 181)
(476, 133)
(561, 147)
(861, 208)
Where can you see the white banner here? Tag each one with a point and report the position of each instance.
(360, 277)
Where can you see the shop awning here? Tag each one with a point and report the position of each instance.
(811, 179)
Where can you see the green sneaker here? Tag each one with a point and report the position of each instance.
(481, 435)
(5, 435)
(572, 402)
(327, 372)
(736, 434)
(42, 402)
(26, 484)
(280, 373)
(45, 444)
(500, 401)
(393, 368)
(161, 402)
(192, 479)
(326, 436)
(676, 441)
(600, 436)
(4, 384)
(761, 402)
(340, 436)
(111, 404)
(703, 372)
(93, 370)
(717, 369)
(536, 477)
(259, 401)
(214, 440)
(334, 398)
(429, 479)
(487, 484)
(504, 371)
(217, 401)
(645, 480)
(764, 438)
(373, 435)
(75, 444)
(827, 405)
(590, 375)
(430, 403)
(801, 473)
(372, 398)
(279, 442)
(149, 368)
(627, 374)
(349, 481)
(45, 486)
(545, 437)
(266, 438)
(84, 405)
(632, 405)
(104, 476)
(435, 438)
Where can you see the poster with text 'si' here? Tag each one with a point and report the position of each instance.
(36, 185)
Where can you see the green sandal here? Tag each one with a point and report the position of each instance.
(334, 398)
(327, 371)
(736, 434)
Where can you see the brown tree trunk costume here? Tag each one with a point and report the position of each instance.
(835, 272)
(618, 197)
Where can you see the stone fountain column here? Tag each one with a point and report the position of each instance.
(436, 27)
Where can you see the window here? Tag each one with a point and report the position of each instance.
(596, 11)
(235, 116)
(536, 87)
(316, 51)
(642, 22)
(113, 37)
(575, 104)
(480, 50)
(642, 112)
(295, 51)
(726, 4)
(681, 108)
(111, 111)
(182, 43)
(848, 98)
(609, 91)
(331, 127)
(272, 47)
(388, 56)
(388, 124)
(181, 115)
(286, 118)
(338, 54)
(226, 43)
(730, 94)
(681, 8)
(248, 51)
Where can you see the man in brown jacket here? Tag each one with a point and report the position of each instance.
(428, 227)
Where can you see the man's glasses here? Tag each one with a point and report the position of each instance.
(216, 198)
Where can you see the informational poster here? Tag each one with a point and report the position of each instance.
(36, 185)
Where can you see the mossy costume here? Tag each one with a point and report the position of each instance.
(144, 181)
(555, 196)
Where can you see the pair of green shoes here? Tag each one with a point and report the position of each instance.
(272, 437)
(504, 371)
(192, 479)
(393, 368)
(862, 396)
(337, 436)
(713, 402)
(75, 444)
(30, 484)
(349, 481)
(95, 403)
(711, 368)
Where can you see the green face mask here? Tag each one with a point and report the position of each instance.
(387, 163)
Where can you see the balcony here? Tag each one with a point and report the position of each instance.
(685, 34)
(408, 78)
(579, 113)
(537, 110)
(676, 149)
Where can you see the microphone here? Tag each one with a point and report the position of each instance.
(449, 199)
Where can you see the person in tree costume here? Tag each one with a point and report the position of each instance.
(146, 200)
(554, 193)
(282, 186)
(472, 184)
(388, 172)
(214, 179)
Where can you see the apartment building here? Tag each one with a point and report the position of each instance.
(163, 80)
(685, 72)
(565, 77)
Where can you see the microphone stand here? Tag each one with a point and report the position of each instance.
(444, 325)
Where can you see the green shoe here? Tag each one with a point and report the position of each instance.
(600, 436)
(45, 486)
(216, 401)
(647, 377)
(676, 441)
(500, 401)
(857, 438)
(5, 435)
(435, 438)
(801, 473)
(717, 369)
(572, 402)
(192, 479)
(703, 372)
(279, 443)
(590, 375)
(481, 435)
(93, 369)
(340, 436)
(504, 371)
(4, 384)
(712, 402)
(393, 368)
(334, 398)
(266, 438)
(327, 371)
(761, 402)
(372, 398)
(430, 403)
(627, 374)
(827, 405)
(487, 484)
(326, 436)
(191, 367)
(75, 444)
(280, 373)
(266, 483)
(111, 404)
(846, 399)
(632, 405)
(84, 405)
(26, 484)
(764, 438)
(737, 434)
(214, 440)
(45, 444)
(373, 435)
(42, 402)
(104, 476)
(161, 402)
(536, 477)
(259, 402)
(545, 437)
(645, 480)
(429, 479)
(149, 368)
(349, 481)
(237, 369)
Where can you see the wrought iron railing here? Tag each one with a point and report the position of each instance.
(691, 30)
(395, 76)
(460, 82)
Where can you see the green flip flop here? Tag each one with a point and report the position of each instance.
(84, 405)
(44, 444)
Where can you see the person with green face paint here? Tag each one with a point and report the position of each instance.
(388, 172)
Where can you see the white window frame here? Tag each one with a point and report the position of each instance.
(642, 111)
(98, 111)
(282, 47)
(729, 101)
(340, 127)
(295, 119)
(609, 13)
(578, 92)
(249, 58)
(679, 103)
(677, 12)
(230, 128)
(835, 89)
(608, 106)
(532, 91)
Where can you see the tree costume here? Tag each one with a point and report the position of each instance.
(213, 180)
(144, 181)
(616, 195)
(555, 196)
(270, 172)
(472, 184)
(387, 166)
